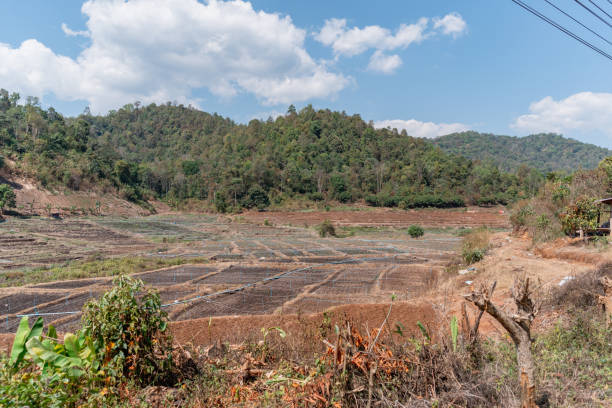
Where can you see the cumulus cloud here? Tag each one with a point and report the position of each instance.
(71, 33)
(354, 41)
(581, 112)
(387, 64)
(451, 24)
(422, 129)
(155, 51)
(349, 42)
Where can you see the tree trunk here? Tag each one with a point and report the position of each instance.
(518, 325)
(526, 370)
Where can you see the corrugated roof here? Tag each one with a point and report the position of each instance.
(605, 201)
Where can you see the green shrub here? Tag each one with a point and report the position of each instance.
(1, 161)
(128, 327)
(344, 197)
(316, 196)
(7, 197)
(256, 198)
(520, 214)
(415, 231)
(327, 229)
(431, 200)
(220, 202)
(580, 215)
(372, 200)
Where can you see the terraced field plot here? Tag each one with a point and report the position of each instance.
(253, 269)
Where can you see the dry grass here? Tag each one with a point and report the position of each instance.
(475, 244)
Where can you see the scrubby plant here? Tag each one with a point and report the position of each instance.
(128, 327)
(415, 231)
(475, 245)
(327, 229)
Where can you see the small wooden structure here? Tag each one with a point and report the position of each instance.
(600, 228)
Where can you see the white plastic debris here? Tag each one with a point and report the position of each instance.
(468, 282)
(565, 280)
(463, 272)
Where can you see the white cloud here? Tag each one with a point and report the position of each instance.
(353, 41)
(581, 112)
(451, 24)
(269, 114)
(71, 33)
(387, 64)
(422, 129)
(159, 50)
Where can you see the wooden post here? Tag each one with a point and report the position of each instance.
(610, 226)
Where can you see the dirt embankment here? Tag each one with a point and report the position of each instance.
(33, 199)
(547, 265)
(494, 217)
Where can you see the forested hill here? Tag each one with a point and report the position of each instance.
(545, 152)
(177, 153)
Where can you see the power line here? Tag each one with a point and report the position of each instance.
(602, 10)
(564, 30)
(579, 21)
(593, 13)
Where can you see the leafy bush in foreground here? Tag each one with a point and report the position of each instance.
(128, 328)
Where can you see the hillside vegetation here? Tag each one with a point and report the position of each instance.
(178, 153)
(546, 152)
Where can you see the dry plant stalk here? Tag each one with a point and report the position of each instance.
(518, 326)
(606, 300)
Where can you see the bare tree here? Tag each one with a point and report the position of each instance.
(518, 325)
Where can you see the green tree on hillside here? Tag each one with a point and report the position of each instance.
(7, 197)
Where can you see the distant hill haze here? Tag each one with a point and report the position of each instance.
(546, 151)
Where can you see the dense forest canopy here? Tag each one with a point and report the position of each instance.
(177, 153)
(546, 152)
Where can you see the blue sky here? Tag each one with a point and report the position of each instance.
(428, 66)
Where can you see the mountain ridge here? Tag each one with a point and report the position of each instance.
(544, 151)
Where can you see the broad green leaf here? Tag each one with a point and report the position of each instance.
(37, 328)
(51, 332)
(18, 351)
(71, 344)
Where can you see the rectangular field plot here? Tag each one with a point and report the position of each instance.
(73, 284)
(258, 300)
(73, 302)
(170, 295)
(238, 274)
(173, 276)
(410, 278)
(313, 304)
(351, 281)
(73, 229)
(17, 302)
(155, 228)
